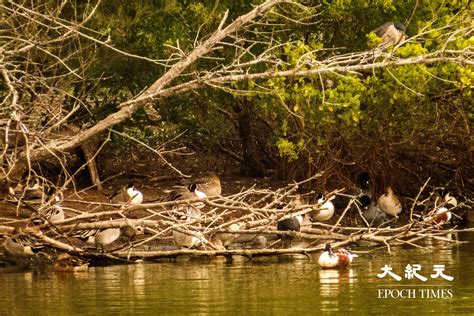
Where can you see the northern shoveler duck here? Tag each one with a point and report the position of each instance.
(326, 209)
(391, 33)
(450, 201)
(22, 244)
(443, 212)
(372, 212)
(389, 203)
(127, 195)
(335, 260)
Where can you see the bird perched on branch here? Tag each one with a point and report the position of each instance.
(326, 209)
(22, 244)
(99, 237)
(391, 33)
(127, 195)
(335, 260)
(389, 203)
(363, 187)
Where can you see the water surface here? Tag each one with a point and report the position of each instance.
(271, 286)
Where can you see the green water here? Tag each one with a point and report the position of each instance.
(277, 286)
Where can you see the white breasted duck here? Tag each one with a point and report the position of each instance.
(326, 209)
(389, 203)
(210, 184)
(127, 195)
(335, 260)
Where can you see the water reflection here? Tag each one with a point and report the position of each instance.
(279, 285)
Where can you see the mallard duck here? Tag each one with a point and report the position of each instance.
(391, 33)
(335, 260)
(67, 263)
(127, 195)
(326, 209)
(22, 244)
(389, 203)
(371, 212)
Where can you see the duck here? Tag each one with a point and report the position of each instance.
(443, 213)
(22, 244)
(391, 33)
(189, 213)
(127, 195)
(33, 190)
(99, 237)
(292, 223)
(188, 238)
(389, 203)
(260, 242)
(362, 187)
(67, 263)
(335, 260)
(326, 209)
(228, 238)
(371, 212)
(209, 184)
(51, 213)
(450, 201)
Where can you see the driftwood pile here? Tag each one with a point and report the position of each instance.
(146, 229)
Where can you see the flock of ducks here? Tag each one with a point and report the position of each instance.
(186, 233)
